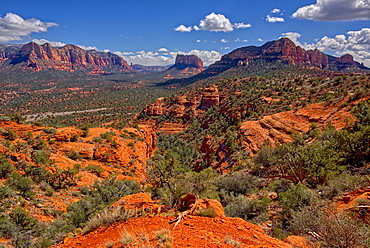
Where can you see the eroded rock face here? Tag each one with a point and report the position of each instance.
(318, 58)
(189, 60)
(67, 58)
(210, 97)
(184, 106)
(285, 50)
(346, 59)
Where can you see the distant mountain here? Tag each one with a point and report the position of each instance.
(67, 58)
(284, 50)
(145, 68)
(185, 66)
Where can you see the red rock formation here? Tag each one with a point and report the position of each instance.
(318, 58)
(285, 49)
(189, 61)
(279, 128)
(346, 59)
(210, 97)
(65, 58)
(184, 106)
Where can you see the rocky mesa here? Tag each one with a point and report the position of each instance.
(285, 50)
(69, 57)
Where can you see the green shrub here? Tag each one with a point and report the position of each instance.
(6, 192)
(254, 210)
(297, 197)
(75, 155)
(239, 183)
(42, 157)
(344, 182)
(279, 185)
(99, 196)
(107, 136)
(21, 183)
(96, 169)
(50, 130)
(341, 230)
(5, 167)
(11, 135)
(97, 139)
(208, 212)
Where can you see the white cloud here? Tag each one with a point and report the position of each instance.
(356, 43)
(241, 25)
(163, 50)
(245, 40)
(87, 47)
(61, 44)
(237, 40)
(199, 41)
(215, 23)
(224, 41)
(225, 48)
(335, 10)
(52, 43)
(106, 50)
(259, 39)
(294, 37)
(273, 19)
(275, 11)
(14, 27)
(183, 29)
(151, 58)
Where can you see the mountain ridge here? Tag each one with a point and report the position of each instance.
(285, 50)
(67, 58)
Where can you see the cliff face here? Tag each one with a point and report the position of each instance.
(68, 58)
(185, 66)
(285, 50)
(184, 106)
(189, 61)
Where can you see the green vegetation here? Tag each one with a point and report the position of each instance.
(287, 186)
(300, 178)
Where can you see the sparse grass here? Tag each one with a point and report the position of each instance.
(164, 238)
(126, 239)
(231, 241)
(109, 244)
(208, 212)
(107, 217)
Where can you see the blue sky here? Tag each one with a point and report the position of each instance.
(153, 32)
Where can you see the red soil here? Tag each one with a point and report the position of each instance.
(193, 231)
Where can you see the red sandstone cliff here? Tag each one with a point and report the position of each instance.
(68, 57)
(189, 61)
(285, 50)
(185, 65)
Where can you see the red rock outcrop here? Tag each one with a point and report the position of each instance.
(185, 66)
(210, 97)
(285, 50)
(279, 128)
(189, 60)
(184, 106)
(318, 58)
(67, 58)
(346, 59)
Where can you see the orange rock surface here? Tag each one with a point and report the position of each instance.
(278, 128)
(193, 231)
